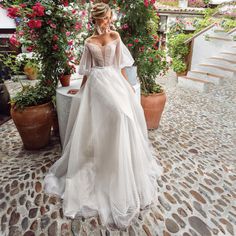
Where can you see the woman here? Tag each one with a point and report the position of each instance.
(107, 167)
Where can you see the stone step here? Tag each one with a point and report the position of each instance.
(213, 78)
(216, 69)
(193, 83)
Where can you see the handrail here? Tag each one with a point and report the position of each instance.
(232, 30)
(199, 33)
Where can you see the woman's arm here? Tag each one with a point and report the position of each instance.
(123, 72)
(74, 91)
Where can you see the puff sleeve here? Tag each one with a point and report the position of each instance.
(123, 55)
(85, 62)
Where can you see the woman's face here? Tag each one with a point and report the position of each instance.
(105, 21)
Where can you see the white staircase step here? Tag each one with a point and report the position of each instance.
(215, 69)
(231, 61)
(220, 61)
(193, 83)
(213, 78)
(214, 37)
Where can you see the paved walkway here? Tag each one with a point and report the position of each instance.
(195, 143)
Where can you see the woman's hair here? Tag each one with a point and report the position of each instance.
(99, 10)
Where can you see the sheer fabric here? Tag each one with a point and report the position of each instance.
(108, 167)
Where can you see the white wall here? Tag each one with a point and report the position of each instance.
(5, 21)
(219, 1)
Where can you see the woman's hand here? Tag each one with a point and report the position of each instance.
(73, 91)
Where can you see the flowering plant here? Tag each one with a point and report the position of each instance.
(69, 69)
(139, 25)
(51, 30)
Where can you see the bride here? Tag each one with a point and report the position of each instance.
(107, 167)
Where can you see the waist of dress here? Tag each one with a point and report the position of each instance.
(104, 67)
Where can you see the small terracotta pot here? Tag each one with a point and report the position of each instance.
(153, 106)
(181, 73)
(65, 80)
(34, 125)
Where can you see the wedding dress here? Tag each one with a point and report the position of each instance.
(107, 167)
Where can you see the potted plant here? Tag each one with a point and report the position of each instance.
(50, 30)
(68, 70)
(139, 24)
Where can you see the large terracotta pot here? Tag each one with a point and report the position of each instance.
(65, 80)
(153, 106)
(34, 125)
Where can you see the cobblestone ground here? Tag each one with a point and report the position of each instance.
(195, 143)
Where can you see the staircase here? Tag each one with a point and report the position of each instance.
(213, 60)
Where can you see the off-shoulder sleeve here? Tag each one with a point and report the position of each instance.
(85, 62)
(123, 55)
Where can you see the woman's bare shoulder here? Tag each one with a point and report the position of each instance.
(89, 39)
(114, 34)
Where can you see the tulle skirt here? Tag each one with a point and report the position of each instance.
(107, 167)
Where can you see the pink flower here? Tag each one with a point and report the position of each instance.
(38, 9)
(151, 59)
(74, 11)
(78, 26)
(130, 45)
(53, 25)
(55, 37)
(136, 40)
(67, 33)
(152, 1)
(13, 12)
(70, 43)
(21, 33)
(13, 40)
(125, 26)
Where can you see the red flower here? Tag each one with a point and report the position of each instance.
(130, 45)
(23, 5)
(151, 59)
(66, 3)
(55, 47)
(30, 48)
(146, 3)
(136, 40)
(13, 12)
(35, 24)
(38, 9)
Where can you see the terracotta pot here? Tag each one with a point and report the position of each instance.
(4, 100)
(65, 80)
(34, 125)
(153, 106)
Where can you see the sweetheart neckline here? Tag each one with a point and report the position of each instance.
(103, 45)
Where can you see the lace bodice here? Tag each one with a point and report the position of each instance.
(114, 53)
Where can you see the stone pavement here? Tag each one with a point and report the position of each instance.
(196, 145)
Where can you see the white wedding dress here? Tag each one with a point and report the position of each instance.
(107, 167)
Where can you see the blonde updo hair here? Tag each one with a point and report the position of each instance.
(99, 10)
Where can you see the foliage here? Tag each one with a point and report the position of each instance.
(138, 28)
(196, 3)
(172, 3)
(51, 30)
(178, 50)
(31, 96)
(179, 65)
